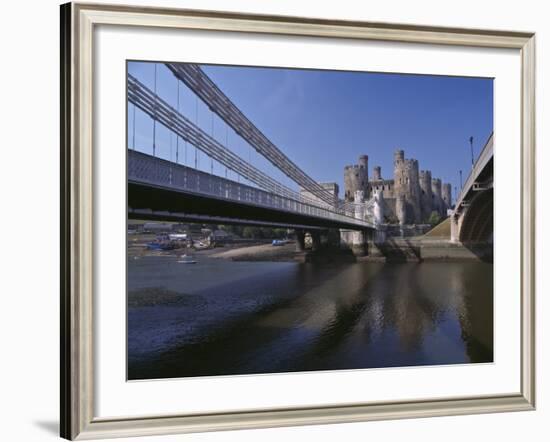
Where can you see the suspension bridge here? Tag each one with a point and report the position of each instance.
(161, 188)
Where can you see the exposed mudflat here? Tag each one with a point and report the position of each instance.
(262, 252)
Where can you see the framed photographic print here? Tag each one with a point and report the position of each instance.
(272, 220)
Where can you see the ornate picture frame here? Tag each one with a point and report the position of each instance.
(78, 24)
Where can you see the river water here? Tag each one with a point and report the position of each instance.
(220, 317)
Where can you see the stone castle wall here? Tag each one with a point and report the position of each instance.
(356, 177)
(446, 195)
(386, 186)
(438, 205)
(409, 198)
(426, 198)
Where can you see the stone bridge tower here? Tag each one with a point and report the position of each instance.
(356, 177)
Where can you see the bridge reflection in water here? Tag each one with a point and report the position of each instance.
(285, 317)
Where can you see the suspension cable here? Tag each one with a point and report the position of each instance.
(157, 108)
(195, 78)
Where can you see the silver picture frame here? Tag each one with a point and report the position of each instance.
(78, 21)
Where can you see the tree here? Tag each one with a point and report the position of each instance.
(233, 229)
(252, 232)
(434, 218)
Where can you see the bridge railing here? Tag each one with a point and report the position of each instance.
(146, 169)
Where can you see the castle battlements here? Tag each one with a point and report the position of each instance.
(410, 197)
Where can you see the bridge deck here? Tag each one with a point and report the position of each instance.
(485, 156)
(148, 172)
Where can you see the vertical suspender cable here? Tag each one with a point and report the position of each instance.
(196, 124)
(250, 155)
(185, 152)
(134, 128)
(226, 144)
(155, 114)
(177, 136)
(212, 135)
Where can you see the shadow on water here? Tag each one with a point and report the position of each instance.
(401, 251)
(350, 316)
(476, 316)
(223, 349)
(219, 352)
(483, 250)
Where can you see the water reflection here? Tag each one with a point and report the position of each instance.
(236, 318)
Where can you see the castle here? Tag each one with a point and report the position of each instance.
(409, 198)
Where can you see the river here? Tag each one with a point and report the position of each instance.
(220, 317)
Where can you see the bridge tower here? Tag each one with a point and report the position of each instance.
(378, 196)
(356, 177)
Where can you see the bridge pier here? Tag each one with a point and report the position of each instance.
(315, 240)
(332, 238)
(375, 238)
(363, 242)
(455, 228)
(354, 240)
(300, 240)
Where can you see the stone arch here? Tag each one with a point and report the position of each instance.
(477, 222)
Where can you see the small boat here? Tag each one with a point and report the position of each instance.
(184, 259)
(155, 245)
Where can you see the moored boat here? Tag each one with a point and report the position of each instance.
(185, 259)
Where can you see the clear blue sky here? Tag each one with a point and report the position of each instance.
(323, 120)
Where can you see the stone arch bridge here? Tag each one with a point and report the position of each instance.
(472, 217)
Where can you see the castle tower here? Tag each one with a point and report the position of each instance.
(413, 197)
(364, 184)
(356, 177)
(446, 195)
(398, 172)
(377, 173)
(437, 201)
(406, 184)
(398, 155)
(425, 194)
